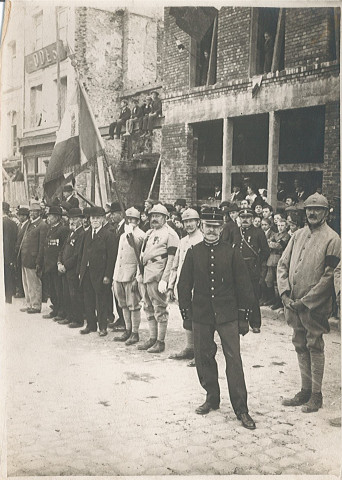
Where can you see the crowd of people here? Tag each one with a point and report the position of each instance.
(218, 263)
(139, 117)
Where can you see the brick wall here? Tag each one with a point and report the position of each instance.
(233, 43)
(331, 172)
(307, 36)
(178, 178)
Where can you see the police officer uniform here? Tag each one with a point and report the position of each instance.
(255, 251)
(69, 258)
(157, 256)
(125, 283)
(215, 294)
(55, 238)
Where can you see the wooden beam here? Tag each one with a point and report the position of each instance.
(278, 43)
(102, 181)
(273, 158)
(210, 73)
(337, 29)
(253, 42)
(227, 158)
(284, 167)
(192, 62)
(154, 177)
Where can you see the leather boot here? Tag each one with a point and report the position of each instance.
(314, 404)
(148, 344)
(186, 354)
(134, 338)
(299, 399)
(158, 347)
(125, 336)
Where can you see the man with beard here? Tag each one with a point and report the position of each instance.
(157, 256)
(252, 243)
(215, 294)
(191, 223)
(305, 278)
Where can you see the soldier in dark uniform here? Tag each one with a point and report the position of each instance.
(23, 215)
(230, 226)
(96, 271)
(68, 260)
(215, 293)
(10, 231)
(252, 243)
(55, 238)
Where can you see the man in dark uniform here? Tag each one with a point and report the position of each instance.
(215, 293)
(55, 238)
(10, 231)
(68, 260)
(230, 226)
(96, 271)
(252, 243)
(23, 215)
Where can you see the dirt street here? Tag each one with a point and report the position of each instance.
(85, 405)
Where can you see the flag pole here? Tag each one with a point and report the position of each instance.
(59, 105)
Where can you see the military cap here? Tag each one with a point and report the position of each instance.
(75, 213)
(159, 208)
(233, 208)
(212, 215)
(316, 200)
(86, 212)
(54, 211)
(133, 213)
(224, 205)
(96, 212)
(67, 188)
(181, 202)
(5, 207)
(23, 211)
(190, 214)
(66, 206)
(35, 207)
(155, 91)
(247, 212)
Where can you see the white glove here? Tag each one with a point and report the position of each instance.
(162, 286)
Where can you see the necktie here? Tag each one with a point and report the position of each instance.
(94, 233)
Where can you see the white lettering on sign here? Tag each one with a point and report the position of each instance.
(44, 57)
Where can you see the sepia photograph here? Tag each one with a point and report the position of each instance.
(170, 282)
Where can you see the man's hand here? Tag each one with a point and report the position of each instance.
(286, 301)
(134, 286)
(298, 306)
(162, 286)
(170, 295)
(106, 281)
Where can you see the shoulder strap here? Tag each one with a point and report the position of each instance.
(248, 245)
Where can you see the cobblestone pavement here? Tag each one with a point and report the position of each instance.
(85, 405)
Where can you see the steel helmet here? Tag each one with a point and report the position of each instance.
(159, 208)
(316, 200)
(190, 214)
(133, 213)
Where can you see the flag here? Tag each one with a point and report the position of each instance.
(76, 146)
(195, 21)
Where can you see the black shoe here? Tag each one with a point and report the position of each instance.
(58, 318)
(247, 421)
(75, 325)
(134, 338)
(299, 399)
(125, 336)
(86, 330)
(19, 295)
(148, 344)
(205, 408)
(186, 354)
(24, 309)
(64, 322)
(256, 330)
(33, 310)
(314, 404)
(158, 347)
(50, 315)
(103, 333)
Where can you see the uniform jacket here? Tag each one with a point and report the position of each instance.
(125, 114)
(32, 249)
(255, 238)
(219, 280)
(146, 108)
(126, 263)
(157, 255)
(71, 251)
(10, 231)
(185, 243)
(137, 112)
(228, 231)
(306, 268)
(100, 254)
(157, 106)
(54, 241)
(277, 243)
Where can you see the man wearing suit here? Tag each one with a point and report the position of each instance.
(23, 215)
(156, 111)
(10, 231)
(68, 260)
(125, 114)
(54, 241)
(125, 281)
(68, 196)
(32, 251)
(96, 271)
(136, 118)
(237, 195)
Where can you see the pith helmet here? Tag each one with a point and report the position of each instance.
(190, 214)
(159, 208)
(133, 213)
(316, 200)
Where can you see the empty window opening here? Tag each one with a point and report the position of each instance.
(209, 150)
(209, 186)
(250, 140)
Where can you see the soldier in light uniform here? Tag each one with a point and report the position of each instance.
(215, 294)
(252, 243)
(191, 221)
(305, 277)
(157, 256)
(125, 282)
